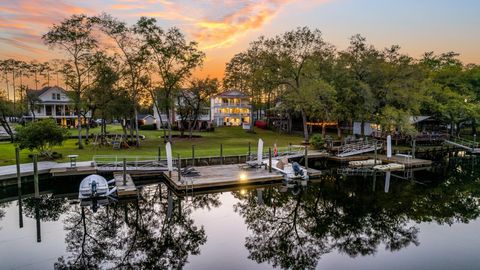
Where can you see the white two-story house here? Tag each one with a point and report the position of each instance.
(52, 102)
(230, 108)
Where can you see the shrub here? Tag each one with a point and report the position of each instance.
(317, 141)
(41, 136)
(148, 127)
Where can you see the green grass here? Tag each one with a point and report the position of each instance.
(234, 141)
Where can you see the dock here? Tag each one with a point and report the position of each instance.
(407, 161)
(219, 176)
(127, 189)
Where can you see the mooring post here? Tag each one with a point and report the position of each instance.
(289, 148)
(37, 218)
(221, 154)
(124, 171)
(269, 159)
(179, 168)
(249, 150)
(17, 160)
(35, 176)
(306, 157)
(413, 148)
(375, 147)
(193, 155)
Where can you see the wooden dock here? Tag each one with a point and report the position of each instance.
(125, 190)
(79, 170)
(408, 162)
(219, 176)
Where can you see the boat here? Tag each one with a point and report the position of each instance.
(390, 167)
(94, 186)
(290, 171)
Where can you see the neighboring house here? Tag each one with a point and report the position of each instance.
(145, 119)
(203, 122)
(53, 102)
(230, 108)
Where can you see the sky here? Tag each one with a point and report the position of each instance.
(224, 28)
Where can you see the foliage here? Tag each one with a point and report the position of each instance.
(317, 141)
(148, 127)
(41, 136)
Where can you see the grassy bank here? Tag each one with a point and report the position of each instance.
(234, 141)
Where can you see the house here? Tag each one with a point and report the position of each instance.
(52, 102)
(204, 120)
(145, 119)
(230, 108)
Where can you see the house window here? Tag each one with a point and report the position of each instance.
(53, 95)
(39, 110)
(58, 96)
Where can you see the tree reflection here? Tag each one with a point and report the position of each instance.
(346, 216)
(149, 233)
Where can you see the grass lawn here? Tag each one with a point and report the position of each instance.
(234, 140)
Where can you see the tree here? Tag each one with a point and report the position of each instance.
(6, 110)
(74, 36)
(41, 136)
(174, 57)
(133, 53)
(191, 102)
(290, 55)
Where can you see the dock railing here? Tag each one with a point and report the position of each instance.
(115, 162)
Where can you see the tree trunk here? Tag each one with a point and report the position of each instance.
(339, 130)
(323, 131)
(79, 127)
(137, 138)
(305, 127)
(251, 117)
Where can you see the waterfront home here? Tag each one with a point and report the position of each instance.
(230, 108)
(52, 102)
(145, 119)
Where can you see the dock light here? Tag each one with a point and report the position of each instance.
(243, 192)
(243, 176)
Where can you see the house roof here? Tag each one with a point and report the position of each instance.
(233, 93)
(418, 118)
(44, 89)
(143, 116)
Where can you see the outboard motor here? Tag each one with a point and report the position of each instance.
(94, 188)
(297, 169)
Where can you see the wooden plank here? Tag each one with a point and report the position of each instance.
(127, 190)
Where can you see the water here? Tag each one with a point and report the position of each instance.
(340, 222)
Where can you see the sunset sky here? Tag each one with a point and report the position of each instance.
(224, 28)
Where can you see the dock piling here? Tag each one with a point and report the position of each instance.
(124, 171)
(179, 168)
(269, 159)
(249, 150)
(35, 176)
(306, 157)
(193, 155)
(17, 160)
(221, 154)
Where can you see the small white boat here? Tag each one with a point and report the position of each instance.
(390, 167)
(364, 163)
(93, 186)
(291, 171)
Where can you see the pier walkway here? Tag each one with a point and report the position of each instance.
(470, 146)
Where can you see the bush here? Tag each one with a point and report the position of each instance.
(317, 141)
(41, 136)
(148, 127)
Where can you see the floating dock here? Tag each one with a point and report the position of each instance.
(210, 177)
(125, 188)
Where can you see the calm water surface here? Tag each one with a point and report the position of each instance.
(340, 222)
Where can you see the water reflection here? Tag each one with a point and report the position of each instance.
(290, 229)
(346, 216)
(156, 231)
